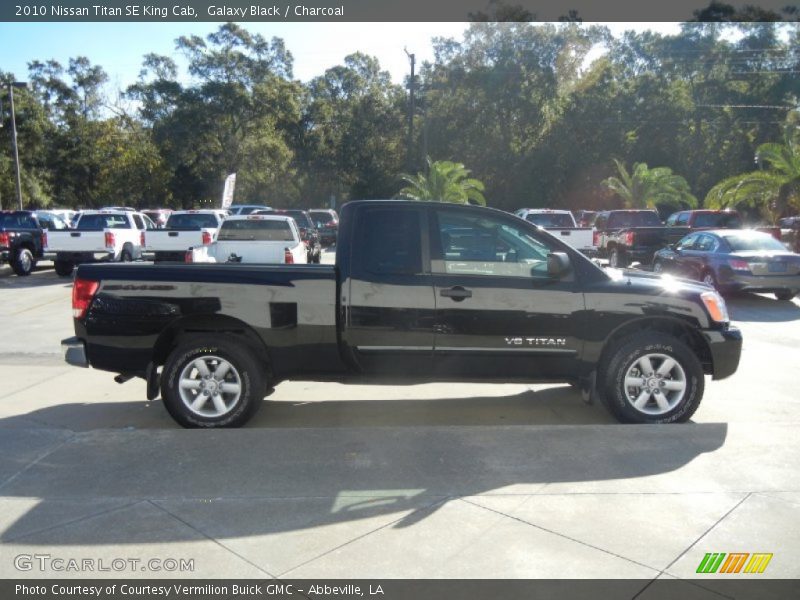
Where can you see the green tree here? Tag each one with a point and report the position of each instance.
(644, 187)
(445, 181)
(773, 190)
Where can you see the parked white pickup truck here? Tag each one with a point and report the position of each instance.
(100, 235)
(184, 229)
(254, 239)
(560, 223)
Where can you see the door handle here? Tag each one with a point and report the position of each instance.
(457, 293)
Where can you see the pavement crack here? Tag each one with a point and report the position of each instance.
(37, 460)
(423, 509)
(210, 538)
(561, 535)
(93, 515)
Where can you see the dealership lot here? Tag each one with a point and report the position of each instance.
(436, 480)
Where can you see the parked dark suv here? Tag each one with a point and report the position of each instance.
(21, 240)
(327, 223)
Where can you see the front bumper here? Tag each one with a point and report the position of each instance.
(74, 350)
(726, 350)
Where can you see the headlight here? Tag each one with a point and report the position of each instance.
(715, 306)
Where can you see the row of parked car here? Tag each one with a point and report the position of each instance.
(246, 233)
(707, 245)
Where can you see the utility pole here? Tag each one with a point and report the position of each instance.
(411, 89)
(11, 86)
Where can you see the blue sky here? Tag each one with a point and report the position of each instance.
(119, 47)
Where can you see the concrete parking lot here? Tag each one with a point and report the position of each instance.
(428, 481)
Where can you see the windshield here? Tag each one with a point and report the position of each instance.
(547, 220)
(256, 229)
(638, 218)
(192, 222)
(100, 222)
(322, 218)
(722, 220)
(751, 242)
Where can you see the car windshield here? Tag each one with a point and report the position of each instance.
(321, 218)
(722, 220)
(256, 229)
(640, 218)
(190, 222)
(100, 222)
(750, 242)
(551, 219)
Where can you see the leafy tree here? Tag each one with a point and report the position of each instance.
(445, 181)
(644, 187)
(773, 190)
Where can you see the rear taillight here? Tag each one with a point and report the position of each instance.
(739, 265)
(595, 238)
(4, 239)
(141, 238)
(206, 238)
(287, 257)
(109, 239)
(628, 237)
(44, 239)
(82, 293)
(188, 257)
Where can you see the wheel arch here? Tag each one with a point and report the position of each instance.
(678, 328)
(199, 325)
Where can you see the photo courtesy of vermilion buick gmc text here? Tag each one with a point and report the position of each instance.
(421, 291)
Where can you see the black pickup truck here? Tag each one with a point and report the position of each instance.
(421, 291)
(21, 240)
(635, 235)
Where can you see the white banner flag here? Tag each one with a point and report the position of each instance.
(227, 192)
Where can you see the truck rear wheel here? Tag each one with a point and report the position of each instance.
(23, 262)
(618, 259)
(652, 377)
(212, 382)
(64, 268)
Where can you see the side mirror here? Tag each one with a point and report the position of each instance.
(557, 264)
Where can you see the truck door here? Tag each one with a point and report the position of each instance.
(498, 312)
(388, 300)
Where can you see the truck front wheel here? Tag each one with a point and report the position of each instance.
(652, 377)
(212, 382)
(618, 259)
(64, 268)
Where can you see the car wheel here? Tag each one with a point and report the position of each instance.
(658, 267)
(618, 260)
(709, 279)
(212, 382)
(23, 262)
(785, 295)
(64, 268)
(652, 377)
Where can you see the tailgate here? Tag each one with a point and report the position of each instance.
(169, 240)
(649, 237)
(251, 251)
(579, 238)
(76, 241)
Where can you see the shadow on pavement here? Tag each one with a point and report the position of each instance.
(305, 465)
(756, 308)
(41, 277)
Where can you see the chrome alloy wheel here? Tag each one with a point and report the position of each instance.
(655, 384)
(210, 386)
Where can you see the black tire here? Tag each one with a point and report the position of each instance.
(244, 365)
(626, 355)
(64, 268)
(23, 262)
(658, 267)
(618, 259)
(785, 295)
(125, 255)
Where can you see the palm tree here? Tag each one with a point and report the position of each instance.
(446, 181)
(772, 190)
(645, 187)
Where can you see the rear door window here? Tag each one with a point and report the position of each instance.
(255, 229)
(392, 242)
